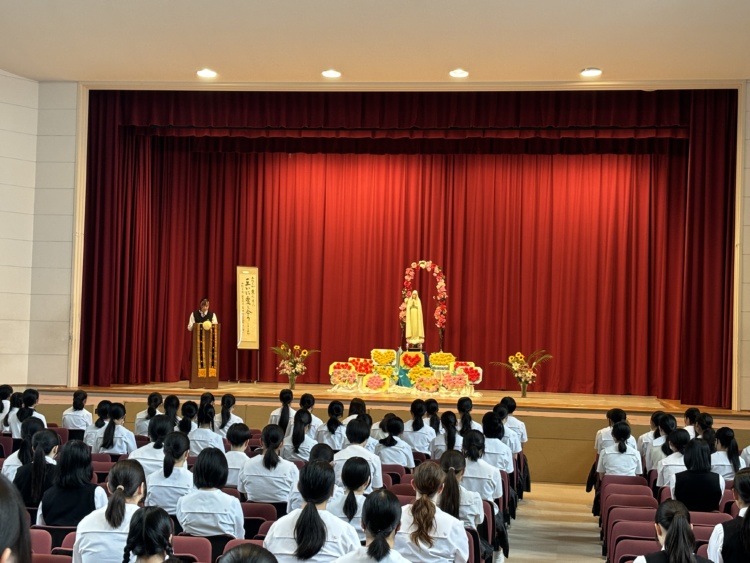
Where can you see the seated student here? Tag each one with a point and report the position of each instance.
(171, 408)
(77, 417)
(496, 453)
(151, 456)
(143, 418)
(726, 460)
(510, 439)
(226, 418)
(433, 408)
(30, 399)
(355, 476)
(25, 452)
(150, 536)
(464, 407)
(34, 478)
(480, 476)
(15, 402)
(5, 393)
(298, 444)
(239, 439)
(206, 399)
(691, 416)
(268, 478)
(730, 541)
(165, 487)
(114, 438)
(675, 534)
(604, 436)
(698, 488)
(73, 496)
(393, 450)
(102, 414)
(710, 437)
(416, 433)
(449, 439)
(204, 436)
(456, 500)
(209, 511)
(312, 533)
(703, 422)
(427, 533)
(371, 443)
(643, 442)
(674, 462)
(356, 407)
(15, 542)
(660, 446)
(101, 536)
(513, 423)
(189, 413)
(320, 452)
(620, 458)
(333, 432)
(248, 553)
(357, 432)
(379, 430)
(283, 415)
(307, 402)
(381, 519)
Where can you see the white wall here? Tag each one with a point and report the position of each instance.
(743, 198)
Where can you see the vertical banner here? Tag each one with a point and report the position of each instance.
(248, 334)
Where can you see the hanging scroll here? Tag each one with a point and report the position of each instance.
(248, 334)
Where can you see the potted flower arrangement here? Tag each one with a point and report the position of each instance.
(523, 368)
(292, 362)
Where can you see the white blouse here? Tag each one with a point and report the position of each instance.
(76, 420)
(450, 543)
(166, 491)
(482, 478)
(720, 464)
(470, 507)
(235, 461)
(335, 440)
(141, 424)
(202, 438)
(303, 454)
(512, 423)
(376, 469)
(233, 419)
(399, 454)
(11, 465)
(97, 542)
(498, 455)
(336, 507)
(267, 485)
(149, 457)
(612, 462)
(668, 467)
(211, 513)
(440, 445)
(360, 556)
(419, 440)
(123, 441)
(276, 415)
(15, 424)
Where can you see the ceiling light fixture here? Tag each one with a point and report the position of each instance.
(206, 73)
(591, 72)
(459, 73)
(331, 73)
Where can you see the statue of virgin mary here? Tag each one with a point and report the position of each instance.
(414, 321)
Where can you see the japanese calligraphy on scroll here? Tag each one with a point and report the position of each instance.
(248, 335)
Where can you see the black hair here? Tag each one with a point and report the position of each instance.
(621, 433)
(501, 411)
(29, 427)
(238, 434)
(102, 412)
(655, 416)
(383, 424)
(418, 410)
(509, 403)
(679, 542)
(158, 429)
(248, 553)
(154, 402)
(355, 474)
(16, 402)
(116, 412)
(307, 401)
(189, 411)
(394, 427)
(211, 469)
(691, 414)
(742, 490)
(79, 400)
(272, 437)
(357, 431)
(171, 404)
(206, 415)
(302, 419)
(29, 398)
(667, 425)
(43, 443)
(366, 418)
(679, 439)
(473, 445)
(492, 425)
(150, 534)
(125, 478)
(227, 402)
(175, 446)
(5, 392)
(725, 436)
(335, 412)
(207, 398)
(452, 463)
(709, 436)
(321, 452)
(357, 406)
(616, 415)
(428, 477)
(74, 465)
(14, 523)
(448, 420)
(433, 408)
(316, 481)
(381, 515)
(697, 456)
(286, 397)
(705, 421)
(464, 406)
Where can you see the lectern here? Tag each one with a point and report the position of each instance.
(205, 371)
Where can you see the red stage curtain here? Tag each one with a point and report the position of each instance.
(584, 249)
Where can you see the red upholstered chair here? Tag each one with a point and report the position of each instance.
(199, 548)
(419, 457)
(625, 530)
(488, 526)
(62, 432)
(67, 545)
(41, 541)
(627, 514)
(396, 471)
(232, 492)
(726, 499)
(702, 534)
(702, 550)
(614, 501)
(141, 441)
(48, 558)
(6, 442)
(264, 527)
(622, 480)
(299, 463)
(504, 502)
(387, 481)
(102, 469)
(234, 543)
(474, 552)
(256, 513)
(57, 533)
(665, 493)
(407, 478)
(101, 457)
(404, 489)
(728, 484)
(708, 518)
(403, 500)
(630, 549)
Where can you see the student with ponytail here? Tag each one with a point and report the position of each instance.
(496, 452)
(355, 476)
(248, 553)
(703, 422)
(357, 433)
(644, 441)
(480, 476)
(268, 478)
(620, 458)
(29, 401)
(456, 500)
(660, 446)
(298, 444)
(171, 407)
(15, 402)
(164, 488)
(357, 407)
(114, 438)
(416, 433)
(392, 449)
(283, 415)
(674, 462)
(433, 408)
(150, 537)
(77, 417)
(25, 453)
(307, 402)
(726, 460)
(311, 533)
(34, 478)
(204, 436)
(102, 414)
(143, 418)
(730, 541)
(464, 406)
(332, 432)
(15, 542)
(320, 452)
(450, 439)
(510, 439)
(381, 519)
(189, 412)
(675, 534)
(226, 418)
(101, 536)
(151, 455)
(698, 488)
(5, 392)
(427, 533)
(239, 439)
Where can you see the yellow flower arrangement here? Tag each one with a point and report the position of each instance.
(419, 372)
(442, 359)
(385, 371)
(383, 357)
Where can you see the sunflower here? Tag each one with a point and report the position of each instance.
(304, 353)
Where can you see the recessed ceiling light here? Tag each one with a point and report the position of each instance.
(330, 73)
(459, 73)
(591, 72)
(206, 73)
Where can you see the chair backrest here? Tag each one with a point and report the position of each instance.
(141, 441)
(263, 530)
(200, 548)
(708, 518)
(489, 519)
(41, 541)
(62, 432)
(702, 550)
(403, 500)
(504, 502)
(393, 468)
(263, 510)
(232, 492)
(625, 500)
(726, 499)
(387, 481)
(101, 457)
(474, 552)
(48, 558)
(635, 513)
(231, 544)
(403, 489)
(628, 530)
(57, 533)
(665, 493)
(419, 457)
(7, 444)
(630, 549)
(624, 489)
(69, 540)
(702, 534)
(407, 478)
(623, 480)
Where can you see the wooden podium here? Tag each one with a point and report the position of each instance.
(205, 371)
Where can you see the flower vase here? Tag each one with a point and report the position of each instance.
(292, 381)
(523, 388)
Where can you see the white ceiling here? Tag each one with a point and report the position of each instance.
(374, 43)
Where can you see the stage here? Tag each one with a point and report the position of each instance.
(561, 426)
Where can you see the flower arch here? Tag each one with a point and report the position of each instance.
(441, 310)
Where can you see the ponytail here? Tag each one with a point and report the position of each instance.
(158, 429)
(272, 437)
(316, 481)
(79, 400)
(5, 392)
(464, 406)
(433, 407)
(29, 428)
(427, 480)
(335, 412)
(43, 442)
(418, 410)
(154, 401)
(395, 427)
(206, 415)
(189, 410)
(302, 419)
(725, 436)
(227, 403)
(286, 396)
(150, 532)
(448, 420)
(354, 475)
(171, 404)
(679, 542)
(125, 478)
(621, 433)
(116, 412)
(473, 445)
(452, 463)
(16, 402)
(175, 446)
(381, 516)
(102, 412)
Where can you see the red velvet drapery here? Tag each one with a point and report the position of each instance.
(596, 225)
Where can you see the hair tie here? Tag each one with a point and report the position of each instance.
(120, 488)
(451, 469)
